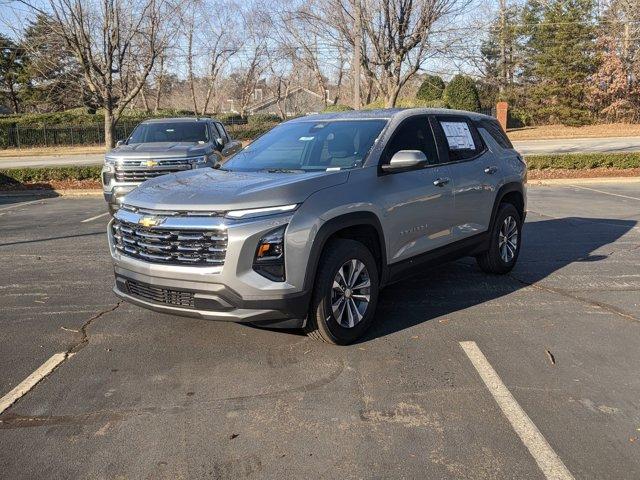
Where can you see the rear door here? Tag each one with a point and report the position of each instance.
(473, 169)
(417, 203)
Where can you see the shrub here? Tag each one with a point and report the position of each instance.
(461, 94)
(231, 119)
(338, 107)
(431, 89)
(249, 131)
(579, 161)
(33, 175)
(260, 118)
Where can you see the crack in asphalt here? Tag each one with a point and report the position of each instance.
(72, 350)
(84, 337)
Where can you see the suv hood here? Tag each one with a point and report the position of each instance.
(207, 189)
(158, 150)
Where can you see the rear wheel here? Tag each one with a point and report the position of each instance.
(345, 293)
(505, 242)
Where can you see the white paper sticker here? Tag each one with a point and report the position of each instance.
(458, 135)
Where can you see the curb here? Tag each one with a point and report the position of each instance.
(582, 181)
(51, 193)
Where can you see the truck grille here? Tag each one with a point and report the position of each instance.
(138, 171)
(160, 295)
(170, 246)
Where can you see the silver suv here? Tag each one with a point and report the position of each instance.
(161, 146)
(304, 226)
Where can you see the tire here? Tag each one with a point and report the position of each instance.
(494, 259)
(322, 322)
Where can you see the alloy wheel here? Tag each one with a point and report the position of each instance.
(508, 239)
(350, 293)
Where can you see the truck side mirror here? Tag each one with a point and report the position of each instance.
(119, 143)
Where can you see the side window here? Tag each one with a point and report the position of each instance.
(462, 139)
(223, 132)
(495, 130)
(412, 134)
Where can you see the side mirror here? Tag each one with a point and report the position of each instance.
(219, 143)
(119, 143)
(405, 160)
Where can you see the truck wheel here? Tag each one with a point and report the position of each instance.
(505, 242)
(345, 293)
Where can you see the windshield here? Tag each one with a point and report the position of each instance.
(190, 132)
(309, 146)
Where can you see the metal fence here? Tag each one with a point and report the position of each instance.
(15, 136)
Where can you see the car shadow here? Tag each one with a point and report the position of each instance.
(14, 191)
(548, 246)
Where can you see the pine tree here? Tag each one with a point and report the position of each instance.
(431, 89)
(461, 94)
(561, 50)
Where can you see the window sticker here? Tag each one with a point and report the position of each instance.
(458, 135)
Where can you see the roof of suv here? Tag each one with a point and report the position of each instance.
(180, 119)
(386, 114)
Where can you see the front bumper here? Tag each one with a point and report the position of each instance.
(229, 292)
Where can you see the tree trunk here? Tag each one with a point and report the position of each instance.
(145, 102)
(109, 129)
(159, 81)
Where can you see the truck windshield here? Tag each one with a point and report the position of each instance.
(309, 146)
(187, 132)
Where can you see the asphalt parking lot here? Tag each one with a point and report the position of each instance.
(139, 394)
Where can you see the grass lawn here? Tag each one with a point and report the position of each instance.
(43, 151)
(588, 131)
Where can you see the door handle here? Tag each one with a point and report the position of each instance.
(490, 170)
(441, 182)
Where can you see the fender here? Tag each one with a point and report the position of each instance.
(334, 225)
(502, 191)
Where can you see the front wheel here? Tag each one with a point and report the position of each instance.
(345, 293)
(505, 241)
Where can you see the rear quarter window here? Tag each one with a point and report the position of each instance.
(494, 129)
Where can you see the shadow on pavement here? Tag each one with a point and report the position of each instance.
(548, 245)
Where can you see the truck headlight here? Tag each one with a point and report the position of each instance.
(269, 257)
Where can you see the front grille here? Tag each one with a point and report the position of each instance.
(170, 246)
(142, 175)
(130, 171)
(177, 298)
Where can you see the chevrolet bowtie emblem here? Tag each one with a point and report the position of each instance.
(151, 221)
(151, 163)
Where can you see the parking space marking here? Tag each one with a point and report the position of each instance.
(551, 465)
(15, 205)
(605, 193)
(31, 381)
(94, 218)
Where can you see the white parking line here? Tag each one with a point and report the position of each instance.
(605, 193)
(94, 218)
(551, 465)
(15, 205)
(31, 381)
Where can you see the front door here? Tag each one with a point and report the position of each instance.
(417, 203)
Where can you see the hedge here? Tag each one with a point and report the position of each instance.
(406, 103)
(46, 174)
(579, 161)
(432, 88)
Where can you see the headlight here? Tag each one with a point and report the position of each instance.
(260, 212)
(109, 161)
(269, 258)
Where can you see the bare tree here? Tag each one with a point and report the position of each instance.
(116, 44)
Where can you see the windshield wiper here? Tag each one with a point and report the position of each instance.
(283, 170)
